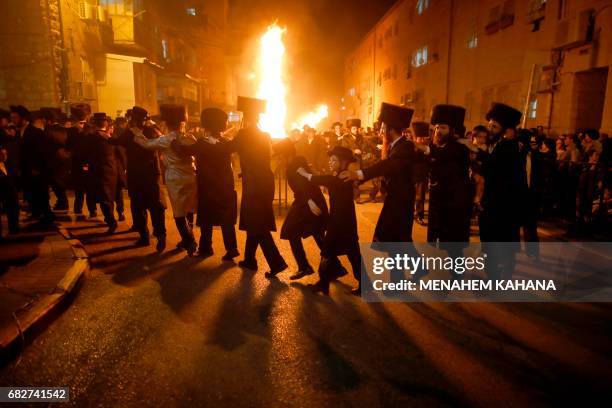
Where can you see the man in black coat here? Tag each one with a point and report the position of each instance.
(77, 144)
(121, 162)
(312, 148)
(144, 181)
(217, 198)
(395, 220)
(308, 213)
(34, 161)
(59, 157)
(450, 200)
(504, 180)
(9, 201)
(256, 211)
(103, 169)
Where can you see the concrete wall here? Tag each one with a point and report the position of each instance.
(487, 62)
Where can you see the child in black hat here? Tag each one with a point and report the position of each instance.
(341, 237)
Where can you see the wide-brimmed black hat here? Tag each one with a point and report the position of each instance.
(80, 111)
(353, 122)
(139, 114)
(394, 116)
(505, 115)
(99, 118)
(420, 129)
(451, 115)
(173, 114)
(251, 106)
(20, 110)
(214, 120)
(342, 153)
(51, 114)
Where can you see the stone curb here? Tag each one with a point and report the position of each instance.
(46, 304)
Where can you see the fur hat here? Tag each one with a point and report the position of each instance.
(353, 122)
(173, 114)
(505, 115)
(20, 110)
(80, 111)
(420, 129)
(99, 118)
(450, 115)
(394, 116)
(213, 120)
(342, 153)
(251, 106)
(138, 114)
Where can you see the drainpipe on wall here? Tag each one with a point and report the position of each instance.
(64, 90)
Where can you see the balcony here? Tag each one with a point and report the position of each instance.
(98, 27)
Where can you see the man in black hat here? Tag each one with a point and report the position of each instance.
(59, 156)
(341, 237)
(103, 169)
(450, 201)
(78, 143)
(256, 211)
(501, 167)
(395, 220)
(144, 180)
(420, 130)
(217, 199)
(34, 164)
(337, 137)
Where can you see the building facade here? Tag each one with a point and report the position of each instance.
(550, 59)
(113, 54)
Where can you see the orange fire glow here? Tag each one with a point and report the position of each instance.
(312, 119)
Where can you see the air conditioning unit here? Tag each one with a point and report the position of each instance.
(573, 31)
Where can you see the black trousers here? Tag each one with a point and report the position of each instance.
(268, 246)
(119, 201)
(139, 215)
(108, 210)
(60, 194)
(229, 236)
(39, 188)
(184, 228)
(330, 264)
(419, 202)
(297, 248)
(9, 204)
(79, 197)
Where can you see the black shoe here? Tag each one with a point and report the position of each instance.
(320, 287)
(302, 273)
(230, 255)
(142, 242)
(205, 252)
(93, 215)
(252, 265)
(275, 271)
(191, 247)
(161, 244)
(111, 229)
(121, 217)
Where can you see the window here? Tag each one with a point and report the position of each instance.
(473, 40)
(533, 108)
(164, 45)
(191, 11)
(421, 6)
(419, 57)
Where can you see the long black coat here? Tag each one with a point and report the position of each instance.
(78, 146)
(450, 198)
(217, 199)
(102, 167)
(256, 212)
(59, 155)
(395, 220)
(34, 157)
(504, 178)
(300, 221)
(341, 236)
(314, 152)
(143, 170)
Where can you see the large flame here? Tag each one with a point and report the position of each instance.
(271, 86)
(313, 118)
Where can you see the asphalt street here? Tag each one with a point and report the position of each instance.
(150, 329)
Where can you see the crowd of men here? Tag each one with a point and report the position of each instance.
(505, 176)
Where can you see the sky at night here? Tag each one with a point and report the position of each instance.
(319, 34)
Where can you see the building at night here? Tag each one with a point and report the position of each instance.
(114, 54)
(551, 59)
